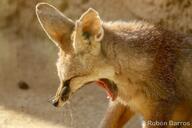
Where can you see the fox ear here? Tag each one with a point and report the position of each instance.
(91, 25)
(57, 26)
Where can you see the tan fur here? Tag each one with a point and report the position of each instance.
(151, 66)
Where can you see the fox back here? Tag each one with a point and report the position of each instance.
(148, 55)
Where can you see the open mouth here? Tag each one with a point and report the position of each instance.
(108, 85)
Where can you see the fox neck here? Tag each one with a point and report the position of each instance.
(120, 53)
(129, 65)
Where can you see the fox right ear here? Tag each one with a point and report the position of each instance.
(91, 24)
(57, 26)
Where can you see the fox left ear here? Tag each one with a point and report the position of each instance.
(57, 26)
(91, 25)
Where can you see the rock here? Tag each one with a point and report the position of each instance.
(23, 85)
(175, 15)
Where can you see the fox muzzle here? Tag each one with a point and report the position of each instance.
(64, 94)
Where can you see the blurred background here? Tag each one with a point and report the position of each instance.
(28, 75)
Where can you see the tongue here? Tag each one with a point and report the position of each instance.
(110, 90)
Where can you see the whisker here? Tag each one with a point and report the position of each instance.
(64, 114)
(71, 114)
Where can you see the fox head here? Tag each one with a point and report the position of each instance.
(80, 56)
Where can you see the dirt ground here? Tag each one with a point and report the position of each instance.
(33, 61)
(30, 59)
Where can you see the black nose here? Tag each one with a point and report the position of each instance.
(55, 103)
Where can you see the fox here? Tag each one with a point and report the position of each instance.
(144, 68)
